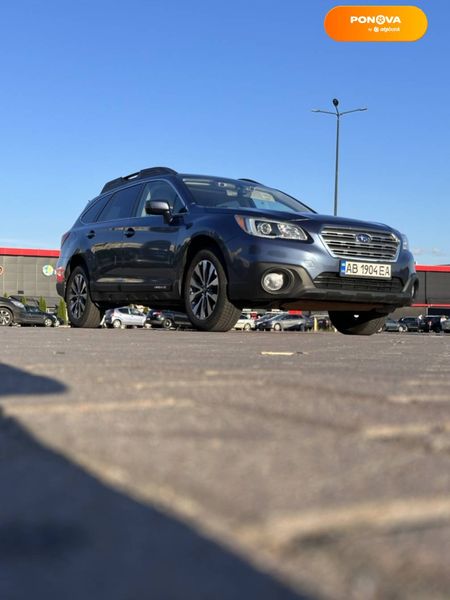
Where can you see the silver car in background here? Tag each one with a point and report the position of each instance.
(124, 317)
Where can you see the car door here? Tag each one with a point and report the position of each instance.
(106, 236)
(150, 245)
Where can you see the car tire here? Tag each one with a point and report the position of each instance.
(206, 294)
(48, 322)
(247, 327)
(357, 323)
(167, 324)
(81, 309)
(277, 327)
(402, 329)
(6, 317)
(116, 324)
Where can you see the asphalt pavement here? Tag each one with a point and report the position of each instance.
(147, 464)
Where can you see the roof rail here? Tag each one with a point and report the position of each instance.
(250, 180)
(138, 175)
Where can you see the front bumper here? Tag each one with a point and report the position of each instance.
(314, 281)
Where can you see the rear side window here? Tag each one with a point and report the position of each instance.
(121, 205)
(94, 209)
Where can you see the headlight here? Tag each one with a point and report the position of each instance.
(267, 228)
(405, 243)
(17, 303)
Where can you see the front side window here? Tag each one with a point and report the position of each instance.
(233, 193)
(160, 190)
(121, 205)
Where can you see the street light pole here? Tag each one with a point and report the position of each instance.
(338, 116)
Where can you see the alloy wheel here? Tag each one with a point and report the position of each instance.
(5, 317)
(204, 289)
(78, 295)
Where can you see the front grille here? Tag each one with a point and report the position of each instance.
(342, 242)
(333, 281)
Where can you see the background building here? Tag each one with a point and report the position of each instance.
(30, 273)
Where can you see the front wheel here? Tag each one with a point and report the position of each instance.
(6, 317)
(357, 323)
(205, 294)
(117, 323)
(167, 324)
(277, 327)
(48, 322)
(81, 309)
(247, 327)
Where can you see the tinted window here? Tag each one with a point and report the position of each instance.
(94, 208)
(160, 190)
(121, 204)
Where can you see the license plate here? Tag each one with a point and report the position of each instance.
(351, 268)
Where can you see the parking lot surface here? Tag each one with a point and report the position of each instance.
(177, 464)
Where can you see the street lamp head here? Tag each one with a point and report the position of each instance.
(335, 102)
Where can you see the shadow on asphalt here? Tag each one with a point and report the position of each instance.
(65, 535)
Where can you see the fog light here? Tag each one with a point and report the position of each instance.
(273, 282)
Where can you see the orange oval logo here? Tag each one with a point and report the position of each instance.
(376, 23)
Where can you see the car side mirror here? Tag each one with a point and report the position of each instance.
(158, 207)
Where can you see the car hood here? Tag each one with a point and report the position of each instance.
(301, 218)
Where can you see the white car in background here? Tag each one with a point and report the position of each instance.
(245, 322)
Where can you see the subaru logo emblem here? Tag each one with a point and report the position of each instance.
(363, 238)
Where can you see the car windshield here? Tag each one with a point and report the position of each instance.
(233, 193)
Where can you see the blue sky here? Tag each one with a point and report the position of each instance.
(96, 89)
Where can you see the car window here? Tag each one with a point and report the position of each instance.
(121, 205)
(94, 208)
(160, 190)
(123, 311)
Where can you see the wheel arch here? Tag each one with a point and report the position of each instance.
(77, 260)
(197, 243)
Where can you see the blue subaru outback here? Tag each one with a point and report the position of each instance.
(213, 245)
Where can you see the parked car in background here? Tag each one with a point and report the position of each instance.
(212, 246)
(262, 318)
(245, 322)
(168, 319)
(431, 323)
(33, 316)
(411, 323)
(284, 322)
(446, 326)
(124, 317)
(10, 311)
(394, 325)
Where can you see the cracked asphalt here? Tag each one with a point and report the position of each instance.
(141, 464)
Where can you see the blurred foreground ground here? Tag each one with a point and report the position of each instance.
(142, 464)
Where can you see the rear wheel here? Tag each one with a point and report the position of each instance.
(117, 323)
(277, 327)
(205, 294)
(167, 324)
(81, 309)
(6, 317)
(357, 323)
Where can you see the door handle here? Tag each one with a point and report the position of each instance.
(91, 234)
(129, 232)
